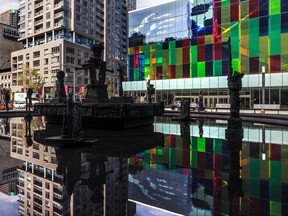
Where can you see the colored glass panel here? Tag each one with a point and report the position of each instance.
(193, 60)
(264, 48)
(275, 64)
(217, 68)
(201, 69)
(179, 71)
(244, 9)
(234, 10)
(274, 7)
(275, 46)
(186, 55)
(179, 56)
(253, 37)
(253, 8)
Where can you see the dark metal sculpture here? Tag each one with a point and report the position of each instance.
(72, 119)
(150, 91)
(96, 90)
(234, 134)
(184, 110)
(234, 86)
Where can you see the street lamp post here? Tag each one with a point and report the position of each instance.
(263, 84)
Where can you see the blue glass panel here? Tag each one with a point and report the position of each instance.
(284, 22)
(208, 52)
(264, 26)
(264, 8)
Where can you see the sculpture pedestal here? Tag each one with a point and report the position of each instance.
(96, 93)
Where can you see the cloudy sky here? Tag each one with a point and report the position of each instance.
(8, 4)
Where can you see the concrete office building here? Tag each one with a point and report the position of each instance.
(184, 50)
(9, 17)
(56, 36)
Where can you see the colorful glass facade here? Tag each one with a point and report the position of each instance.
(258, 30)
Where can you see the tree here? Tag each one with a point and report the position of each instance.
(31, 79)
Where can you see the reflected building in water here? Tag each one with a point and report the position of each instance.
(198, 162)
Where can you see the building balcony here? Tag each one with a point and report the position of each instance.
(38, 22)
(58, 15)
(38, 30)
(40, 4)
(38, 13)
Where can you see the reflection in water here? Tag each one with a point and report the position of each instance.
(180, 170)
(57, 179)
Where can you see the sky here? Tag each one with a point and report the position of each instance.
(8, 204)
(8, 4)
(13, 4)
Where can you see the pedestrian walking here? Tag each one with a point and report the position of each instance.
(7, 99)
(200, 103)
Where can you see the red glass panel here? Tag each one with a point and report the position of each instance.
(253, 8)
(186, 55)
(171, 71)
(234, 10)
(275, 65)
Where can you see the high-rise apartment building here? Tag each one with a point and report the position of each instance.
(131, 5)
(9, 17)
(116, 37)
(56, 35)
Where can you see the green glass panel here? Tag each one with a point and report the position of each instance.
(275, 46)
(217, 146)
(159, 54)
(225, 2)
(244, 29)
(274, 7)
(146, 72)
(172, 158)
(275, 191)
(275, 208)
(275, 171)
(136, 74)
(147, 51)
(275, 25)
(193, 61)
(159, 154)
(217, 68)
(201, 69)
(147, 158)
(172, 56)
(194, 159)
(235, 39)
(201, 144)
(254, 188)
(172, 44)
(254, 168)
(254, 37)
(194, 142)
(235, 64)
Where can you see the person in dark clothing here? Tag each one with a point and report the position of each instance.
(7, 99)
(200, 103)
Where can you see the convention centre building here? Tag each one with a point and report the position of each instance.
(183, 47)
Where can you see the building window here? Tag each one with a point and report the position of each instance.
(20, 58)
(55, 50)
(36, 155)
(36, 54)
(48, 15)
(36, 63)
(47, 24)
(70, 50)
